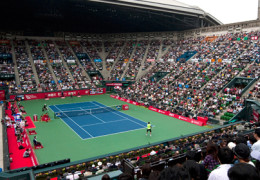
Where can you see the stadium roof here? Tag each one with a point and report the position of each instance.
(103, 16)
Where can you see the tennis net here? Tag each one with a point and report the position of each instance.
(83, 112)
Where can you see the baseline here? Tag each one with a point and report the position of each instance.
(108, 132)
(76, 108)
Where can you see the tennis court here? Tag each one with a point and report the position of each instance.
(92, 119)
(61, 141)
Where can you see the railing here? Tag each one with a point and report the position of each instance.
(19, 175)
(234, 80)
(238, 116)
(248, 86)
(58, 91)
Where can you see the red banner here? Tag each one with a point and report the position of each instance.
(114, 84)
(2, 95)
(74, 42)
(153, 109)
(4, 41)
(200, 122)
(59, 94)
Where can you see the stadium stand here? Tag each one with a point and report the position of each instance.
(27, 78)
(47, 82)
(7, 65)
(206, 73)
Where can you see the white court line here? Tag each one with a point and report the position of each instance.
(75, 123)
(94, 116)
(104, 123)
(123, 116)
(68, 125)
(114, 133)
(76, 108)
(74, 103)
(86, 102)
(100, 135)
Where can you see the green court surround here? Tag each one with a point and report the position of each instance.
(61, 142)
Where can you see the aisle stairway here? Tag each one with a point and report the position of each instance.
(142, 73)
(161, 53)
(17, 79)
(32, 63)
(127, 65)
(117, 58)
(91, 59)
(49, 66)
(64, 62)
(78, 62)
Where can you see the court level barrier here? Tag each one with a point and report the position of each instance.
(51, 168)
(57, 94)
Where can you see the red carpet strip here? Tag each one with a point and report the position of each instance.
(30, 123)
(16, 154)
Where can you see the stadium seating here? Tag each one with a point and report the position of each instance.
(179, 88)
(47, 82)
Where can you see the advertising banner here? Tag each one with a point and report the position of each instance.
(74, 42)
(4, 41)
(65, 93)
(57, 61)
(2, 95)
(195, 60)
(97, 91)
(38, 61)
(81, 55)
(70, 60)
(7, 76)
(97, 60)
(192, 121)
(114, 84)
(5, 56)
(226, 61)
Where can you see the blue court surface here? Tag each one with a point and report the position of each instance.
(97, 125)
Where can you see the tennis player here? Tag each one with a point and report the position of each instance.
(44, 108)
(149, 129)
